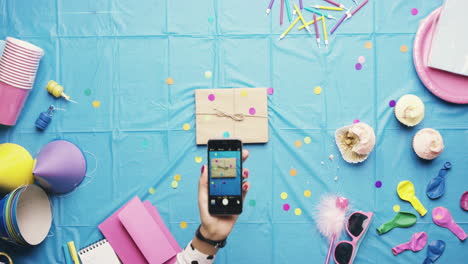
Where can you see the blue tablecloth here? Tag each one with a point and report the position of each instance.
(121, 52)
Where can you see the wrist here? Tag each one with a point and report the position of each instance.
(211, 234)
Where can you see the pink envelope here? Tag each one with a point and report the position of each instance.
(156, 245)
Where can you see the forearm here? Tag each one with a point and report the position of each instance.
(197, 252)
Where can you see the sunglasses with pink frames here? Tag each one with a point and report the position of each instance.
(357, 225)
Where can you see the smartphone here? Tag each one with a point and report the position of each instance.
(224, 176)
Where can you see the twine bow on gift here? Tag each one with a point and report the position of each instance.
(234, 116)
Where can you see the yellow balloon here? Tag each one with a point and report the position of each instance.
(16, 166)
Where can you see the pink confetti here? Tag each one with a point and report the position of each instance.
(252, 111)
(392, 103)
(361, 59)
(270, 91)
(358, 66)
(355, 121)
(211, 97)
(378, 184)
(286, 207)
(414, 11)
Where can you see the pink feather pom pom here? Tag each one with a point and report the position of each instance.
(331, 215)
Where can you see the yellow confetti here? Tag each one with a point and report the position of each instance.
(177, 177)
(96, 104)
(198, 159)
(298, 143)
(396, 208)
(297, 211)
(170, 81)
(186, 126)
(317, 90)
(307, 140)
(244, 93)
(293, 172)
(368, 45)
(404, 48)
(307, 193)
(207, 118)
(208, 74)
(152, 190)
(183, 224)
(284, 195)
(174, 184)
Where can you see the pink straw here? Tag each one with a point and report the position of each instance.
(334, 3)
(317, 36)
(359, 7)
(281, 12)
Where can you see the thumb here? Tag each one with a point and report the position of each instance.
(203, 191)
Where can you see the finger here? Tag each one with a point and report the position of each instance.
(203, 191)
(245, 154)
(245, 189)
(245, 173)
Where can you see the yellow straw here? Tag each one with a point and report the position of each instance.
(302, 18)
(325, 34)
(311, 22)
(289, 28)
(329, 8)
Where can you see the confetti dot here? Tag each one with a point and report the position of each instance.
(211, 19)
(336, 178)
(404, 48)
(378, 184)
(298, 143)
(270, 90)
(183, 224)
(297, 211)
(198, 159)
(170, 81)
(226, 134)
(207, 118)
(331, 157)
(396, 208)
(355, 121)
(392, 103)
(186, 127)
(307, 193)
(358, 66)
(323, 163)
(152, 190)
(307, 140)
(361, 59)
(144, 143)
(177, 177)
(211, 97)
(174, 184)
(252, 111)
(286, 207)
(96, 104)
(87, 92)
(252, 203)
(284, 196)
(293, 172)
(208, 74)
(244, 93)
(317, 90)
(212, 182)
(414, 11)
(368, 45)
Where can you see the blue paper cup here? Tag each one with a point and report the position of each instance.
(6, 229)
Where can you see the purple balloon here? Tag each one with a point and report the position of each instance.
(60, 166)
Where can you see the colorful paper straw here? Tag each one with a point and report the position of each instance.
(345, 16)
(359, 7)
(302, 18)
(325, 34)
(288, 10)
(310, 23)
(335, 3)
(317, 35)
(318, 13)
(301, 6)
(328, 8)
(289, 28)
(281, 12)
(269, 7)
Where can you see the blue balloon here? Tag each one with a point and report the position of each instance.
(436, 187)
(435, 249)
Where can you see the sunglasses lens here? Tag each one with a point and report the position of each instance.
(356, 224)
(343, 253)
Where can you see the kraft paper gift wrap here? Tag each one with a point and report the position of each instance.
(240, 113)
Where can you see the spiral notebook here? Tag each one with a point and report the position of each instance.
(98, 253)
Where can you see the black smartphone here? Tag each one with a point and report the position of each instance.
(224, 176)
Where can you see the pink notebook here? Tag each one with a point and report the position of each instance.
(138, 235)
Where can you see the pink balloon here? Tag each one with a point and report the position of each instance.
(442, 217)
(417, 243)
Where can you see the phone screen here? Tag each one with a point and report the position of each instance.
(225, 180)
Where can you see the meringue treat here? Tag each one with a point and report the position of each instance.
(409, 110)
(355, 142)
(428, 143)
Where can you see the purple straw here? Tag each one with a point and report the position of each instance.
(317, 36)
(338, 24)
(281, 12)
(333, 3)
(359, 7)
(269, 7)
(300, 5)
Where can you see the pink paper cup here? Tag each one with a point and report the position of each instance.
(11, 103)
(25, 46)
